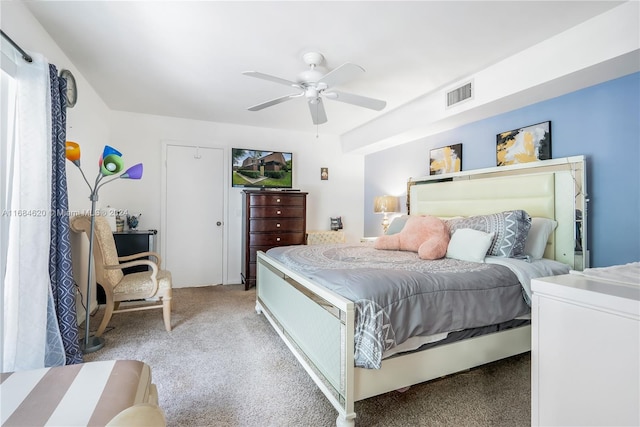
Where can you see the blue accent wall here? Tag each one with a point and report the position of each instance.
(601, 122)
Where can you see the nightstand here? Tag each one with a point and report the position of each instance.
(585, 350)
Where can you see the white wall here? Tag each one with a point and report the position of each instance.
(139, 137)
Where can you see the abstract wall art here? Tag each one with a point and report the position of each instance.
(527, 144)
(445, 159)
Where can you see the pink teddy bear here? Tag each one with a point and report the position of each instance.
(425, 234)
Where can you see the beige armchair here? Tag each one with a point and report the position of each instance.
(118, 286)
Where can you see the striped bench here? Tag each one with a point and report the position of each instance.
(108, 393)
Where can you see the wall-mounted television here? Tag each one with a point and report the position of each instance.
(261, 168)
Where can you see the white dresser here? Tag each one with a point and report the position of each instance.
(585, 352)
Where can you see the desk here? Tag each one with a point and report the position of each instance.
(134, 242)
(321, 237)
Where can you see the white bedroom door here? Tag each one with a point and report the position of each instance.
(194, 213)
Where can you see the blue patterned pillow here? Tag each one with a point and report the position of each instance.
(510, 230)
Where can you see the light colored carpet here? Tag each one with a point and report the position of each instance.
(224, 365)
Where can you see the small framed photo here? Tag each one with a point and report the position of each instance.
(527, 144)
(445, 159)
(324, 174)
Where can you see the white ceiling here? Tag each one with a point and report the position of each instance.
(185, 58)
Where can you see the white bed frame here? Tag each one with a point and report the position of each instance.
(318, 325)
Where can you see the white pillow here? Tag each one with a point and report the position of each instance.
(467, 244)
(536, 243)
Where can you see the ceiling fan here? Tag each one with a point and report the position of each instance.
(314, 85)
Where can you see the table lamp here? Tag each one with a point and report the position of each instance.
(385, 205)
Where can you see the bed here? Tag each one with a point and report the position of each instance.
(321, 322)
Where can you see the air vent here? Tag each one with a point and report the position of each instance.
(458, 95)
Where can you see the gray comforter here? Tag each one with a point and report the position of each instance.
(397, 295)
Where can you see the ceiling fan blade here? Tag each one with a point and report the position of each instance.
(270, 78)
(341, 75)
(274, 101)
(362, 101)
(318, 114)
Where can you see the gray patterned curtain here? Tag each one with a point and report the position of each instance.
(62, 284)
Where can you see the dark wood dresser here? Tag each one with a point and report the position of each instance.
(270, 219)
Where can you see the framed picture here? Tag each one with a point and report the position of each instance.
(527, 144)
(445, 160)
(324, 174)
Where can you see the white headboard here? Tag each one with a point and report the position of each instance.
(539, 190)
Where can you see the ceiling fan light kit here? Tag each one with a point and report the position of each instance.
(315, 85)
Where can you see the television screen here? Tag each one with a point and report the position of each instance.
(261, 169)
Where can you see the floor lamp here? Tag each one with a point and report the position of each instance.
(110, 164)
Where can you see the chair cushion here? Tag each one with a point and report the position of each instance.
(140, 284)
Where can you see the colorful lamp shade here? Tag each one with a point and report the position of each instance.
(109, 151)
(111, 161)
(72, 152)
(134, 172)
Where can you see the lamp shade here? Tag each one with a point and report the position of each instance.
(382, 204)
(111, 161)
(111, 165)
(108, 150)
(72, 152)
(134, 172)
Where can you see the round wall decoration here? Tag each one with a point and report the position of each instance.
(72, 89)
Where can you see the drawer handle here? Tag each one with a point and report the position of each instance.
(278, 225)
(278, 212)
(277, 239)
(277, 200)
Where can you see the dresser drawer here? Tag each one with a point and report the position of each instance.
(275, 239)
(275, 200)
(277, 212)
(275, 225)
